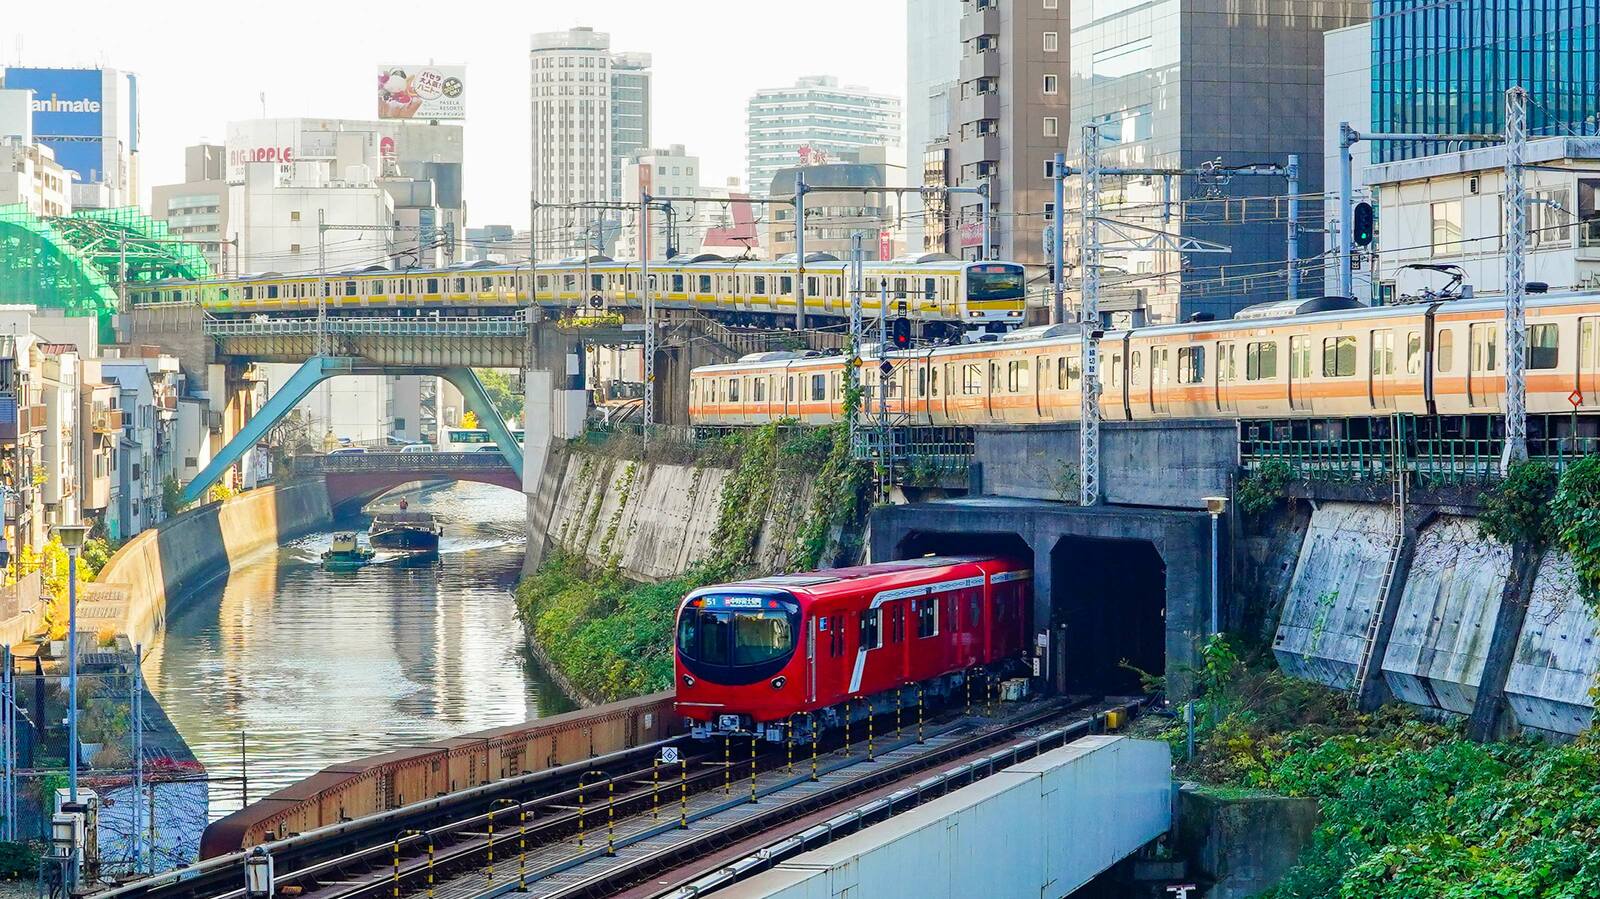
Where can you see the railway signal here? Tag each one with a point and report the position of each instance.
(1362, 225)
(900, 333)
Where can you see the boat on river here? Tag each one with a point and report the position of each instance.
(408, 532)
(346, 553)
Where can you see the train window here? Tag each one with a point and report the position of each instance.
(544, 282)
(487, 284)
(994, 377)
(433, 285)
(705, 284)
(733, 390)
(1413, 353)
(900, 287)
(1017, 376)
(1116, 369)
(597, 282)
(460, 285)
(1381, 360)
(272, 291)
(836, 641)
(1261, 361)
(1485, 340)
(1444, 352)
(819, 387)
(930, 288)
(677, 284)
(922, 382)
(971, 379)
(249, 293)
(812, 288)
(1191, 364)
(1136, 367)
(1543, 352)
(349, 288)
(758, 390)
(927, 612)
(870, 629)
(761, 284)
(1338, 357)
(933, 382)
(1299, 358)
(786, 285)
(569, 282)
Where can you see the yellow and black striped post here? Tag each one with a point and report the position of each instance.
(968, 681)
(522, 851)
(919, 713)
(394, 889)
(788, 746)
(611, 817)
(752, 767)
(494, 807)
(655, 789)
(899, 701)
(580, 810)
(430, 867)
(683, 793)
(814, 728)
(849, 710)
(869, 728)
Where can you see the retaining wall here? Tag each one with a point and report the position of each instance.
(164, 563)
(1334, 592)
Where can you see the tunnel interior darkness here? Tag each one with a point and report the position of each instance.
(921, 543)
(1111, 596)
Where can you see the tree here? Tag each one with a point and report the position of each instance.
(498, 386)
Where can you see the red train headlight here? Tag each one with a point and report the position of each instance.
(778, 682)
(688, 681)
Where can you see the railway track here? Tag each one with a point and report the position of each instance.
(722, 812)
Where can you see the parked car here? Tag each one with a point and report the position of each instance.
(348, 451)
(418, 448)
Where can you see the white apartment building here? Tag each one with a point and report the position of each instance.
(590, 114)
(811, 122)
(31, 177)
(197, 209)
(1449, 210)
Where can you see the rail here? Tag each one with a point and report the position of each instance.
(371, 326)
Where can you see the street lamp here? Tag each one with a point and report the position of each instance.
(1216, 505)
(72, 538)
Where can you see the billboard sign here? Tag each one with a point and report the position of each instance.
(971, 234)
(422, 92)
(68, 115)
(261, 140)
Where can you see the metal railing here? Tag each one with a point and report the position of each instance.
(365, 326)
(1435, 451)
(342, 463)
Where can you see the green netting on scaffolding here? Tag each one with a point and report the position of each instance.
(74, 263)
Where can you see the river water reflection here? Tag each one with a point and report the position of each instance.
(315, 668)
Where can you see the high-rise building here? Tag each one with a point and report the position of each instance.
(1174, 88)
(89, 118)
(591, 113)
(811, 123)
(197, 209)
(1446, 67)
(630, 113)
(1010, 109)
(840, 202)
(933, 62)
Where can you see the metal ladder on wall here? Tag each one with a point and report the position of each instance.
(1398, 476)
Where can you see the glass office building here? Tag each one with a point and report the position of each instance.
(1445, 66)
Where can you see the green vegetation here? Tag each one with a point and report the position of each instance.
(1409, 809)
(612, 638)
(1576, 511)
(18, 860)
(507, 402)
(1517, 509)
(52, 564)
(171, 496)
(1261, 489)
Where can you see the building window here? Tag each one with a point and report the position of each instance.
(1052, 127)
(1052, 42)
(294, 215)
(1049, 168)
(1049, 212)
(1549, 218)
(1050, 83)
(1051, 4)
(1446, 217)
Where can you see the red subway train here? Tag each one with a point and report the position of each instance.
(815, 648)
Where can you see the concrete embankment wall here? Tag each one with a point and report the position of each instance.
(655, 520)
(135, 588)
(1444, 642)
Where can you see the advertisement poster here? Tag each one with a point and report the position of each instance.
(431, 93)
(67, 115)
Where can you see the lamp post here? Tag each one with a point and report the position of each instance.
(72, 538)
(1216, 505)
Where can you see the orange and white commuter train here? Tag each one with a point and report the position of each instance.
(1276, 360)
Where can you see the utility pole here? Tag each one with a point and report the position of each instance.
(1089, 322)
(885, 371)
(1516, 211)
(1292, 254)
(800, 250)
(853, 363)
(1058, 242)
(648, 303)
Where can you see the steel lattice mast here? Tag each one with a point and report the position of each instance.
(1516, 336)
(1089, 322)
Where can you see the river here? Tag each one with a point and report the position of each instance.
(310, 667)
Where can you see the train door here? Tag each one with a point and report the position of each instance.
(1380, 369)
(1227, 372)
(1300, 373)
(1483, 378)
(1040, 369)
(1589, 362)
(1160, 371)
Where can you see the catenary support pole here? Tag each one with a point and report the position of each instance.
(1516, 332)
(1347, 139)
(1292, 248)
(800, 251)
(1058, 241)
(1089, 323)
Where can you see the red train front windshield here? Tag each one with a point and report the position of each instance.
(737, 638)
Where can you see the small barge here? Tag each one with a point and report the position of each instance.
(410, 532)
(346, 554)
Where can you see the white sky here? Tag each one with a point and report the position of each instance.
(202, 64)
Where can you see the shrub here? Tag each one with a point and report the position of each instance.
(1517, 509)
